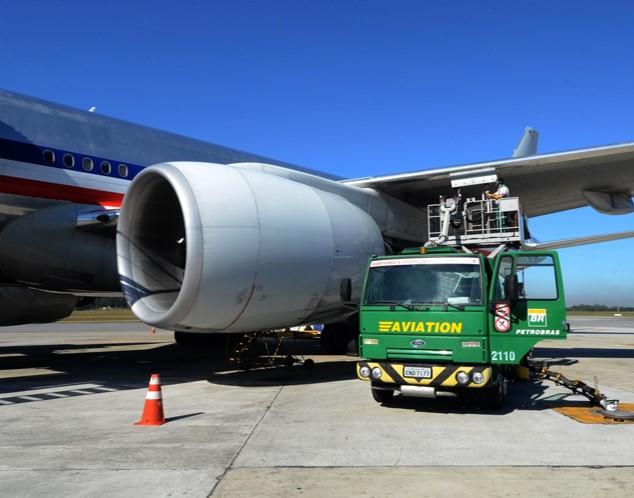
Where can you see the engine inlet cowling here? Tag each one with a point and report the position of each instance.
(215, 248)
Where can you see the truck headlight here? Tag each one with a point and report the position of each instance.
(462, 377)
(477, 377)
(376, 373)
(364, 372)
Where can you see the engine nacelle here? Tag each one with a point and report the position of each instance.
(21, 305)
(46, 249)
(215, 248)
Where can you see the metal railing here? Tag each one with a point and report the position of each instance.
(479, 221)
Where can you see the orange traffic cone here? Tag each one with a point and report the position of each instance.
(153, 408)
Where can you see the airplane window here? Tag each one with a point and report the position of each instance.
(48, 156)
(106, 169)
(123, 170)
(87, 164)
(69, 160)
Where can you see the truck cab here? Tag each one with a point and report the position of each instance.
(439, 321)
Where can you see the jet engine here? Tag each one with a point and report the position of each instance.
(215, 248)
(50, 248)
(21, 305)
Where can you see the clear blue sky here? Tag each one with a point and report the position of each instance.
(354, 88)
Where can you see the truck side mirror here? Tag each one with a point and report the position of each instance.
(511, 288)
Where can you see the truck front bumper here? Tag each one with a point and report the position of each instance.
(439, 375)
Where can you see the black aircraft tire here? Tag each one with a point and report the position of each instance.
(187, 339)
(352, 347)
(326, 340)
(334, 338)
(216, 343)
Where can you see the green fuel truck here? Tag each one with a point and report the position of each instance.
(440, 321)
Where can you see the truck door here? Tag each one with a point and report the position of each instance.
(527, 304)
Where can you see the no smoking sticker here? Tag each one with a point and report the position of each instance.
(502, 320)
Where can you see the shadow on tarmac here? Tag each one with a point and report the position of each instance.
(128, 365)
(180, 417)
(281, 375)
(114, 367)
(521, 396)
(584, 353)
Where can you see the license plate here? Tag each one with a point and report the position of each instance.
(418, 372)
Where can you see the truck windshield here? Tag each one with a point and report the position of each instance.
(427, 280)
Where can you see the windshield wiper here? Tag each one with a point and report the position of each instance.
(418, 303)
(457, 306)
(395, 303)
(444, 304)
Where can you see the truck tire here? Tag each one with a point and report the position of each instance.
(495, 397)
(382, 395)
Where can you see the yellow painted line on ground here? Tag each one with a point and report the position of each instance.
(592, 415)
(112, 349)
(27, 372)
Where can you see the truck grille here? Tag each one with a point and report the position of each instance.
(420, 354)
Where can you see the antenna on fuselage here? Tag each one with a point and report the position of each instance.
(92, 109)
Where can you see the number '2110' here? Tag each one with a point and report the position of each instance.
(502, 355)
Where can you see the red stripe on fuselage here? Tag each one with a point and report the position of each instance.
(46, 190)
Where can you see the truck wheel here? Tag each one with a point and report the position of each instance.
(495, 397)
(382, 395)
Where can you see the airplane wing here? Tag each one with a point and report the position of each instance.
(602, 177)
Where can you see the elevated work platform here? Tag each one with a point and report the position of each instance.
(475, 222)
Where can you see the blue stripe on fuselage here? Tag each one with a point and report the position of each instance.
(31, 153)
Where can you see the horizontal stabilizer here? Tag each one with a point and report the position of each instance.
(527, 245)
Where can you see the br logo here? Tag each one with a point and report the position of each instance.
(537, 318)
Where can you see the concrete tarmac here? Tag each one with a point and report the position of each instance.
(70, 392)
